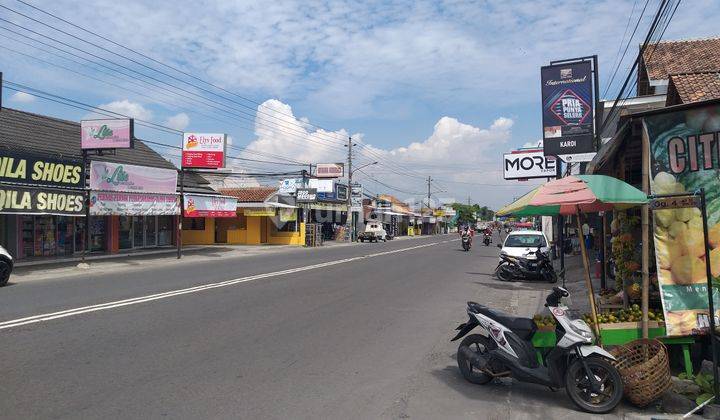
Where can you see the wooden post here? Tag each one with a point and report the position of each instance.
(645, 233)
(588, 282)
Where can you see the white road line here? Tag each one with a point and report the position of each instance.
(149, 298)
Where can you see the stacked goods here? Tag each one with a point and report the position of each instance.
(631, 314)
(544, 322)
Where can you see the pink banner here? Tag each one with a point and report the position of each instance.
(106, 134)
(107, 176)
(209, 206)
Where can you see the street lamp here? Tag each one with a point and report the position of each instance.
(351, 214)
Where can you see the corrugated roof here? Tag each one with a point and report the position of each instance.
(683, 56)
(24, 131)
(249, 195)
(694, 87)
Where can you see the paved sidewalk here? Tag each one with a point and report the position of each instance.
(138, 260)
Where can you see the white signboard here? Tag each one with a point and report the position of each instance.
(525, 164)
(329, 170)
(356, 197)
(132, 204)
(578, 157)
(290, 185)
(322, 185)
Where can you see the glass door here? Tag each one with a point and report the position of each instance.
(151, 231)
(138, 231)
(125, 234)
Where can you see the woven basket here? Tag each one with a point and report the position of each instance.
(645, 370)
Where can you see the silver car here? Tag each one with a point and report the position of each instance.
(6, 266)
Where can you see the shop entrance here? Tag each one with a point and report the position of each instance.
(144, 231)
(264, 230)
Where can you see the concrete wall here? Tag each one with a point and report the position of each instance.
(200, 237)
(252, 235)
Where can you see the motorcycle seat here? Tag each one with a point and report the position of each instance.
(524, 327)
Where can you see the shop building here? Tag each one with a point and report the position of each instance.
(47, 226)
(261, 216)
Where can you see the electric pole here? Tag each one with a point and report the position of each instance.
(429, 180)
(350, 215)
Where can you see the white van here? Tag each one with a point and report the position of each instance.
(373, 232)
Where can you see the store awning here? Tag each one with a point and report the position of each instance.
(259, 205)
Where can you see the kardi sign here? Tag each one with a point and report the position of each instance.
(203, 150)
(526, 164)
(106, 134)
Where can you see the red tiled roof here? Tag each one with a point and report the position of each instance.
(685, 56)
(694, 87)
(249, 195)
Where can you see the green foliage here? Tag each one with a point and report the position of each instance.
(470, 213)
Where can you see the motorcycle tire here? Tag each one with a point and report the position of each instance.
(478, 344)
(503, 274)
(577, 384)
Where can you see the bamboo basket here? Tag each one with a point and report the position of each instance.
(645, 370)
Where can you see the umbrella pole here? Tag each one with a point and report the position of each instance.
(588, 282)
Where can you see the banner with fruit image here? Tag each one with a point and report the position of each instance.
(684, 157)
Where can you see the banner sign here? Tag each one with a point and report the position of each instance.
(322, 185)
(106, 134)
(203, 150)
(289, 186)
(287, 215)
(21, 200)
(683, 153)
(306, 195)
(567, 102)
(329, 170)
(24, 168)
(356, 198)
(269, 212)
(341, 192)
(527, 164)
(132, 204)
(209, 206)
(107, 176)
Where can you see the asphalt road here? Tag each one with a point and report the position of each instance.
(358, 331)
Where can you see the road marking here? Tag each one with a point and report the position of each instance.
(164, 295)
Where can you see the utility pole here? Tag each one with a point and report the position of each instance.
(429, 180)
(350, 219)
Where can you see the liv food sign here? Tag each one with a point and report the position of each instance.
(203, 150)
(106, 134)
(684, 158)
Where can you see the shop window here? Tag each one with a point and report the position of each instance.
(193, 223)
(166, 226)
(286, 227)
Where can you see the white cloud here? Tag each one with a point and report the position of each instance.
(178, 122)
(22, 97)
(458, 155)
(126, 108)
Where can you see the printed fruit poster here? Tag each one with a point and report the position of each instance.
(684, 157)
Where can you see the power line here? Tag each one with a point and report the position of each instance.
(632, 36)
(142, 64)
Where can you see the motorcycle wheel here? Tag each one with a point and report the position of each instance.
(503, 274)
(478, 344)
(551, 276)
(577, 385)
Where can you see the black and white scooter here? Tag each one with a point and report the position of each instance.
(487, 239)
(466, 241)
(535, 266)
(504, 348)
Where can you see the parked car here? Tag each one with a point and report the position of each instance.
(373, 232)
(6, 266)
(524, 243)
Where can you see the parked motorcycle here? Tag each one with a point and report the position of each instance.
(518, 268)
(504, 348)
(466, 241)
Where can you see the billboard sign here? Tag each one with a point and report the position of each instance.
(341, 192)
(24, 168)
(356, 198)
(322, 185)
(108, 176)
(683, 144)
(289, 186)
(306, 195)
(34, 200)
(106, 134)
(209, 206)
(329, 170)
(527, 164)
(567, 102)
(132, 204)
(200, 150)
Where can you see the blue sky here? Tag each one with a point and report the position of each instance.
(439, 88)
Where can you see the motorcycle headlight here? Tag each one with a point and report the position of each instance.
(580, 328)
